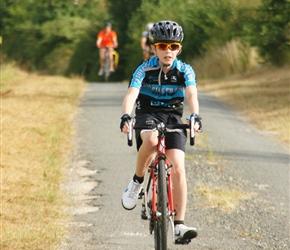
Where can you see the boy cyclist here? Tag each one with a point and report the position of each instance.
(107, 39)
(159, 86)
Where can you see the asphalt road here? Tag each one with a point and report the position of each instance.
(232, 155)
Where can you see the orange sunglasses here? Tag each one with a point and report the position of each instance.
(165, 46)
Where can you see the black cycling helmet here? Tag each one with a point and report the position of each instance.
(107, 24)
(166, 31)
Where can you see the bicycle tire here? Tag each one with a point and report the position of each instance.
(107, 67)
(161, 224)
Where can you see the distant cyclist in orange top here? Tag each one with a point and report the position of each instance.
(107, 40)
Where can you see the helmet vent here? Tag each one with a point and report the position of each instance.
(166, 31)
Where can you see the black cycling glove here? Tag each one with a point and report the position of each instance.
(124, 118)
(197, 119)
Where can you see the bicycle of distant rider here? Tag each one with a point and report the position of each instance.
(107, 71)
(157, 205)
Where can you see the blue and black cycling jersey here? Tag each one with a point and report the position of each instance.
(166, 96)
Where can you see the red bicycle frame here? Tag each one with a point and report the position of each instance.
(161, 154)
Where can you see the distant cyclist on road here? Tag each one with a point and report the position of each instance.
(159, 86)
(145, 42)
(107, 40)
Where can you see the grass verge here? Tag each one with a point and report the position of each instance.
(262, 96)
(224, 198)
(36, 131)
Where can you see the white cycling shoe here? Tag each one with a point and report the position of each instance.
(101, 72)
(183, 234)
(130, 196)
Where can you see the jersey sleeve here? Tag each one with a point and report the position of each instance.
(100, 34)
(190, 78)
(188, 73)
(137, 77)
(114, 34)
(145, 33)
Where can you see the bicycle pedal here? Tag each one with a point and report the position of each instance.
(151, 226)
(182, 241)
(140, 195)
(144, 215)
(143, 212)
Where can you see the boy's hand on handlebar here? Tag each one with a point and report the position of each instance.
(197, 127)
(124, 126)
(197, 122)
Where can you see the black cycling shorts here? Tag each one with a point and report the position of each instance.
(173, 140)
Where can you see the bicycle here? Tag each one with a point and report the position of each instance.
(107, 71)
(157, 205)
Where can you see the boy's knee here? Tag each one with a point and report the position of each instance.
(150, 144)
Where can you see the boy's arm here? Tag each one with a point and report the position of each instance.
(192, 100)
(193, 104)
(127, 107)
(98, 42)
(129, 100)
(143, 42)
(115, 40)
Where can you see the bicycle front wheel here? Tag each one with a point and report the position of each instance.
(107, 67)
(161, 224)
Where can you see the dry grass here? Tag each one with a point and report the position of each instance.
(234, 57)
(224, 198)
(263, 97)
(36, 118)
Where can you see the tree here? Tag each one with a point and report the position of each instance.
(59, 36)
(121, 13)
(269, 31)
(44, 34)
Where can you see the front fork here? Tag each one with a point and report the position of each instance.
(149, 207)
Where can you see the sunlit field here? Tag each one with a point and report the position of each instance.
(36, 131)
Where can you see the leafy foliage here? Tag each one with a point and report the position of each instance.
(59, 36)
(44, 34)
(269, 31)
